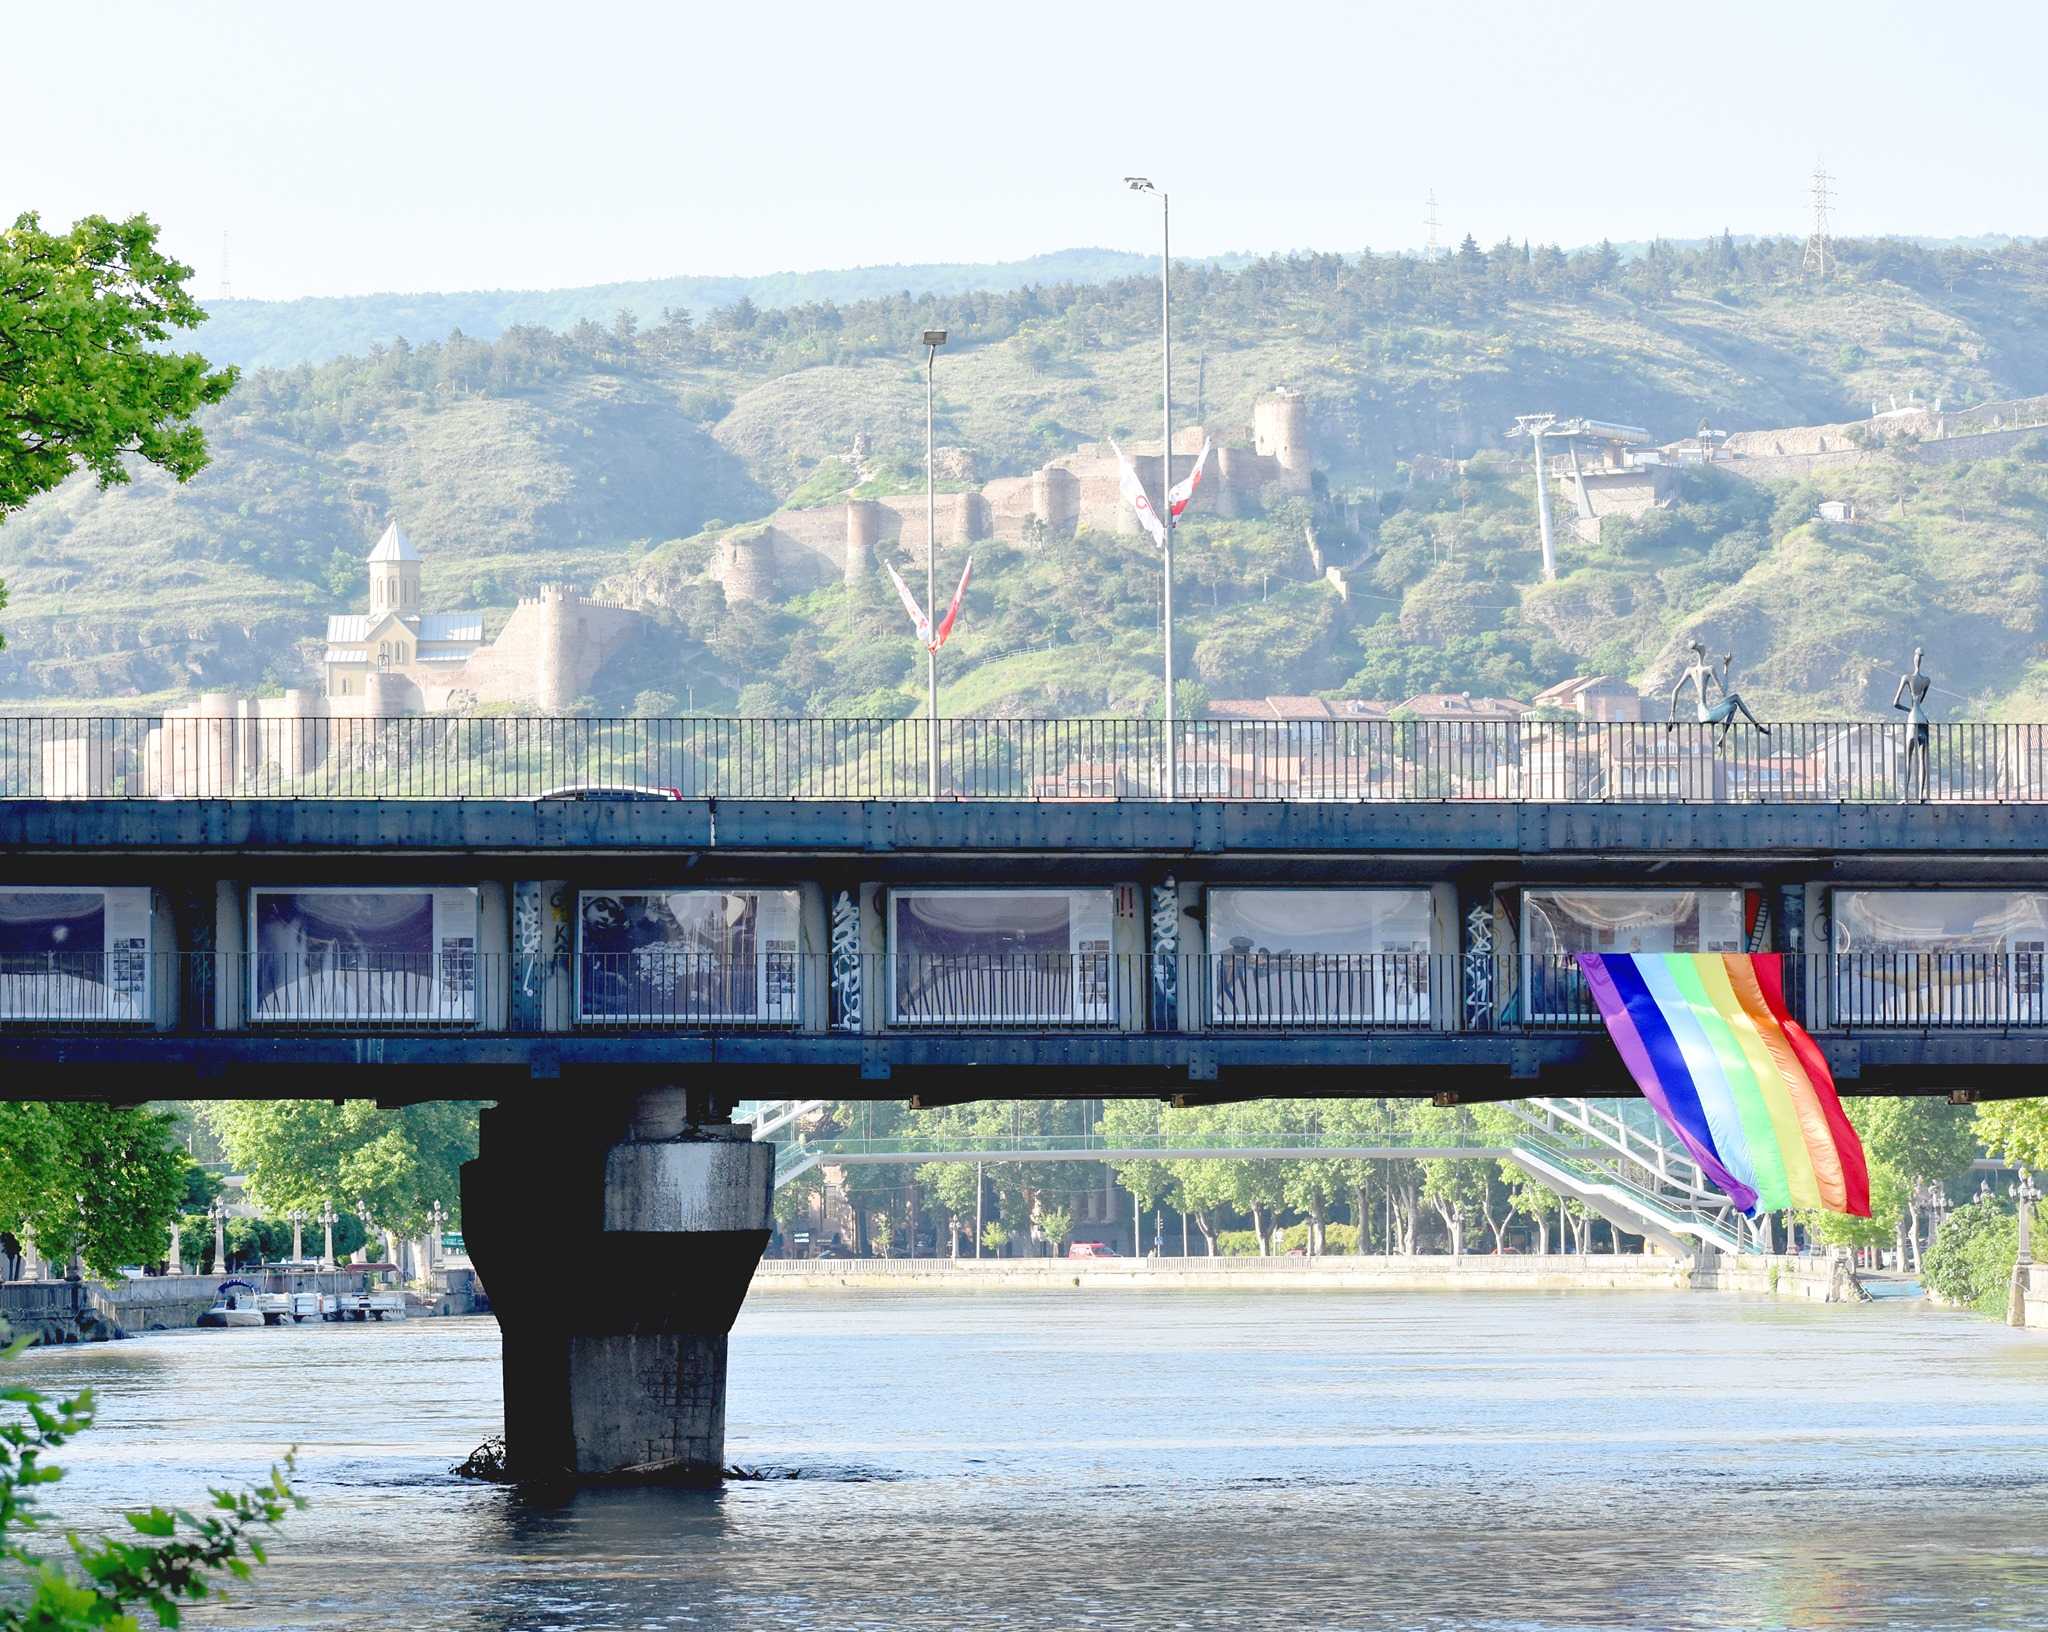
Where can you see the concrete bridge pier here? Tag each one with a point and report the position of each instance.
(616, 1236)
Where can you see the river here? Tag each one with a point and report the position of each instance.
(1029, 1461)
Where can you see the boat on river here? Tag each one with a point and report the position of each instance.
(234, 1304)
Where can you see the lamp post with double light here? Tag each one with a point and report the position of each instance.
(1141, 184)
(933, 339)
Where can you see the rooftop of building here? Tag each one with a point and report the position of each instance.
(354, 627)
(394, 546)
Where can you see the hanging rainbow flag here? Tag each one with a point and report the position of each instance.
(1709, 1041)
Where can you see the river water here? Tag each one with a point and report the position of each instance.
(1277, 1460)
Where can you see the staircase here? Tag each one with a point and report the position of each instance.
(772, 1117)
(1649, 1186)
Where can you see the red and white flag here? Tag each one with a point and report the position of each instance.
(1177, 500)
(953, 612)
(932, 642)
(922, 623)
(1134, 493)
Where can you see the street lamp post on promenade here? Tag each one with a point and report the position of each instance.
(1140, 184)
(933, 339)
(298, 1216)
(2024, 1196)
(327, 1222)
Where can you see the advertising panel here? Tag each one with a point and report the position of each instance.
(1940, 957)
(1348, 957)
(325, 954)
(965, 957)
(74, 953)
(675, 957)
(1556, 924)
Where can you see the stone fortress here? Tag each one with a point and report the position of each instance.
(796, 550)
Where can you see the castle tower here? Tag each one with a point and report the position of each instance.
(554, 683)
(863, 538)
(394, 575)
(1280, 433)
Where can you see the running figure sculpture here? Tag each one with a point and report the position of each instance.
(1915, 687)
(1699, 677)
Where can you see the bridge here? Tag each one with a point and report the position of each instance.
(411, 909)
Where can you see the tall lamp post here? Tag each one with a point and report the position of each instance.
(1140, 184)
(933, 339)
(328, 1219)
(2025, 1195)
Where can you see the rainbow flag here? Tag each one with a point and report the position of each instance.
(1707, 1037)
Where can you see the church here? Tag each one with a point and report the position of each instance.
(396, 638)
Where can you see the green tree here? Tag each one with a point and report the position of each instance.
(1055, 1224)
(392, 1166)
(100, 1181)
(1890, 1197)
(84, 378)
(2016, 1129)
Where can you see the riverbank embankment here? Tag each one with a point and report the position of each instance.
(1815, 1279)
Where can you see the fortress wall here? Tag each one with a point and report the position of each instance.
(961, 518)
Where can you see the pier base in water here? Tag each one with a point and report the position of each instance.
(616, 1238)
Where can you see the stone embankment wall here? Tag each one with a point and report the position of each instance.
(161, 1302)
(1474, 1272)
(1782, 1275)
(52, 1312)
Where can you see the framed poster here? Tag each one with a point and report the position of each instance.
(327, 954)
(1940, 957)
(1559, 924)
(1308, 957)
(988, 957)
(680, 957)
(74, 952)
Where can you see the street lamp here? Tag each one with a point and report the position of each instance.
(1141, 184)
(933, 339)
(328, 1220)
(2026, 1195)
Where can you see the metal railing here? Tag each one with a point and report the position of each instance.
(295, 755)
(368, 989)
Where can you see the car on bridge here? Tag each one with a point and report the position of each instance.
(623, 791)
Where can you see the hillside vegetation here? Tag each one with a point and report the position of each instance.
(621, 452)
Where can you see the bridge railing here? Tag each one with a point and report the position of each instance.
(361, 987)
(300, 756)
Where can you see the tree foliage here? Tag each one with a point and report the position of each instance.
(99, 1180)
(84, 378)
(390, 1166)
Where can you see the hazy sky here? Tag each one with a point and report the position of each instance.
(356, 147)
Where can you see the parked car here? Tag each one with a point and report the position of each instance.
(1091, 1249)
(611, 790)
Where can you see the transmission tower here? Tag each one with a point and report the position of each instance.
(227, 285)
(1820, 244)
(1432, 223)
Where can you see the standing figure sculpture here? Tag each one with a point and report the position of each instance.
(1722, 713)
(1914, 686)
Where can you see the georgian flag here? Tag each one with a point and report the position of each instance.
(1177, 500)
(923, 625)
(1134, 494)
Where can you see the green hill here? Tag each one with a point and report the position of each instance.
(622, 452)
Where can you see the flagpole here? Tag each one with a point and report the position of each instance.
(1166, 476)
(933, 339)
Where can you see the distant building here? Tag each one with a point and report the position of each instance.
(414, 651)
(1602, 697)
(1459, 705)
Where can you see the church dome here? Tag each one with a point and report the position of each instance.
(394, 546)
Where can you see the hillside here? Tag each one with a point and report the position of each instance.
(282, 333)
(622, 454)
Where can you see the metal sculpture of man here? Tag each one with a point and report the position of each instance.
(1911, 699)
(1722, 713)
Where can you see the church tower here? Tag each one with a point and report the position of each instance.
(394, 575)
